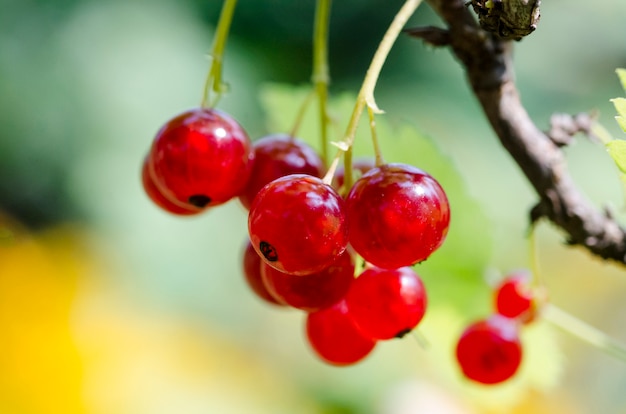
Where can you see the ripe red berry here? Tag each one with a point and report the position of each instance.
(298, 224)
(276, 156)
(398, 214)
(311, 292)
(201, 157)
(514, 297)
(334, 338)
(252, 271)
(489, 351)
(159, 199)
(387, 303)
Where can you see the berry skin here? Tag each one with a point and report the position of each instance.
(398, 214)
(201, 157)
(159, 199)
(276, 156)
(252, 271)
(489, 351)
(514, 298)
(311, 292)
(387, 303)
(334, 338)
(298, 224)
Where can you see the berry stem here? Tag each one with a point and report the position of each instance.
(536, 280)
(366, 93)
(301, 112)
(213, 84)
(348, 178)
(582, 330)
(321, 75)
(420, 339)
(378, 153)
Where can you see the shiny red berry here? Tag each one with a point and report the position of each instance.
(399, 215)
(387, 303)
(334, 338)
(202, 157)
(489, 351)
(311, 292)
(276, 156)
(159, 199)
(514, 297)
(298, 224)
(252, 271)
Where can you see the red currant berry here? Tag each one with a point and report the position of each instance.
(252, 271)
(514, 297)
(276, 156)
(159, 199)
(311, 292)
(298, 224)
(489, 351)
(398, 214)
(202, 157)
(387, 303)
(334, 338)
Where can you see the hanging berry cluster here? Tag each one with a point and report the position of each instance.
(308, 228)
(305, 237)
(489, 351)
(340, 250)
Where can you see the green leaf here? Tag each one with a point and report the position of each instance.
(622, 122)
(620, 106)
(621, 74)
(617, 151)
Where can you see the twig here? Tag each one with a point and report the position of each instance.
(487, 63)
(563, 127)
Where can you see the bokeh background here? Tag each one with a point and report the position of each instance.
(108, 305)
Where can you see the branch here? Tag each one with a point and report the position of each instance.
(488, 65)
(563, 127)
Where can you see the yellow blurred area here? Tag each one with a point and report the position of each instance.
(40, 366)
(71, 343)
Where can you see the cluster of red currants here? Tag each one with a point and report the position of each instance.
(306, 235)
(490, 351)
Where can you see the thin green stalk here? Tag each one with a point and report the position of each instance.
(366, 93)
(583, 331)
(321, 75)
(536, 275)
(378, 153)
(301, 112)
(348, 177)
(564, 320)
(421, 339)
(213, 86)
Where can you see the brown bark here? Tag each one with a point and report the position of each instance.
(488, 66)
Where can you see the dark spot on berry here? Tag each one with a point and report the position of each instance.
(269, 252)
(403, 332)
(493, 358)
(199, 200)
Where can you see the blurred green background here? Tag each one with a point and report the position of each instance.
(111, 306)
